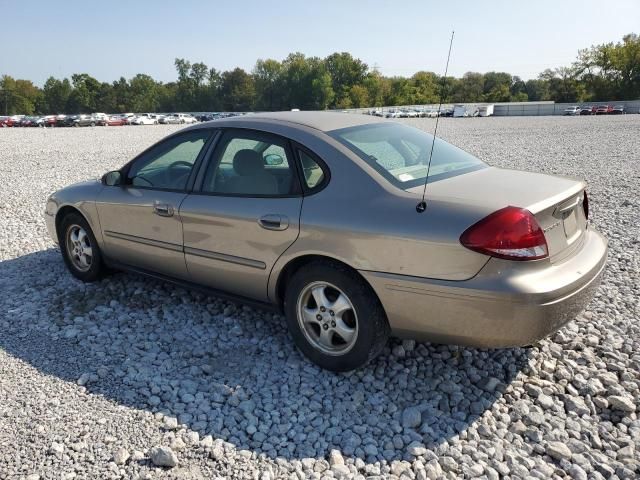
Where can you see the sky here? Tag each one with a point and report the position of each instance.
(110, 39)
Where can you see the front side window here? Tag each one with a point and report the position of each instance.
(401, 153)
(248, 164)
(168, 165)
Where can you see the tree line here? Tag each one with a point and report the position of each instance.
(602, 72)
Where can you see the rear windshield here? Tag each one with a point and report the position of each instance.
(401, 153)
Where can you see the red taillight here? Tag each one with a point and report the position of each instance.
(585, 205)
(511, 233)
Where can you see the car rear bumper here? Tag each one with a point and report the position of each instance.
(506, 304)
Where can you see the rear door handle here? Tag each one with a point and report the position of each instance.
(274, 222)
(163, 209)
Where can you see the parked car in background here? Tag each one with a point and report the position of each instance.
(47, 121)
(170, 119)
(604, 110)
(207, 117)
(187, 118)
(80, 121)
(145, 119)
(60, 120)
(128, 118)
(180, 118)
(618, 110)
(588, 110)
(499, 258)
(28, 122)
(115, 121)
(575, 110)
(11, 121)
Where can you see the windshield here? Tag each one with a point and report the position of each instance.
(401, 153)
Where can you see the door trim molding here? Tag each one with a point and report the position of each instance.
(247, 262)
(145, 241)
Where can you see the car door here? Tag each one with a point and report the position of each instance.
(140, 219)
(243, 214)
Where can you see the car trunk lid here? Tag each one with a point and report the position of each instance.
(556, 202)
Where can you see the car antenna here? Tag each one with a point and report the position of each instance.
(422, 206)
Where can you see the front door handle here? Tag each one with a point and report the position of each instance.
(163, 209)
(274, 222)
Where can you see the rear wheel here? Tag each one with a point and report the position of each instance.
(334, 317)
(80, 249)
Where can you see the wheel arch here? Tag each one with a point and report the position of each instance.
(66, 210)
(63, 212)
(295, 264)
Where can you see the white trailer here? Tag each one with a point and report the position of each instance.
(485, 110)
(459, 111)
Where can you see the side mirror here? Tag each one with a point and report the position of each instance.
(112, 179)
(273, 159)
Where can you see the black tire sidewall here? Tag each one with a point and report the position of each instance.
(373, 328)
(96, 270)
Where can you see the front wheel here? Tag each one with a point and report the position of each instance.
(334, 317)
(80, 249)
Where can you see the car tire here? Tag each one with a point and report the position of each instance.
(75, 237)
(339, 341)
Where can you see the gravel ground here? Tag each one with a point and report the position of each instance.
(132, 378)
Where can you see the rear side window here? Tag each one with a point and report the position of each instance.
(313, 174)
(250, 164)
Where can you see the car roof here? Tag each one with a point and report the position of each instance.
(319, 120)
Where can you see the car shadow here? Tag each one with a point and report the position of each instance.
(231, 371)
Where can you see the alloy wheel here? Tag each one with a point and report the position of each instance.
(327, 318)
(79, 248)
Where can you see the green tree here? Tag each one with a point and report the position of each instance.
(18, 96)
(425, 87)
(83, 97)
(470, 88)
(269, 91)
(345, 71)
(537, 89)
(238, 91)
(563, 85)
(359, 96)
(55, 95)
(143, 94)
(611, 70)
(378, 88)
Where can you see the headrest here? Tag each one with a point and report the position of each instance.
(248, 162)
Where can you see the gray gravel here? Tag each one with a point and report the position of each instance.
(128, 377)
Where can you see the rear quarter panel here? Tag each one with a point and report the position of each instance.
(370, 225)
